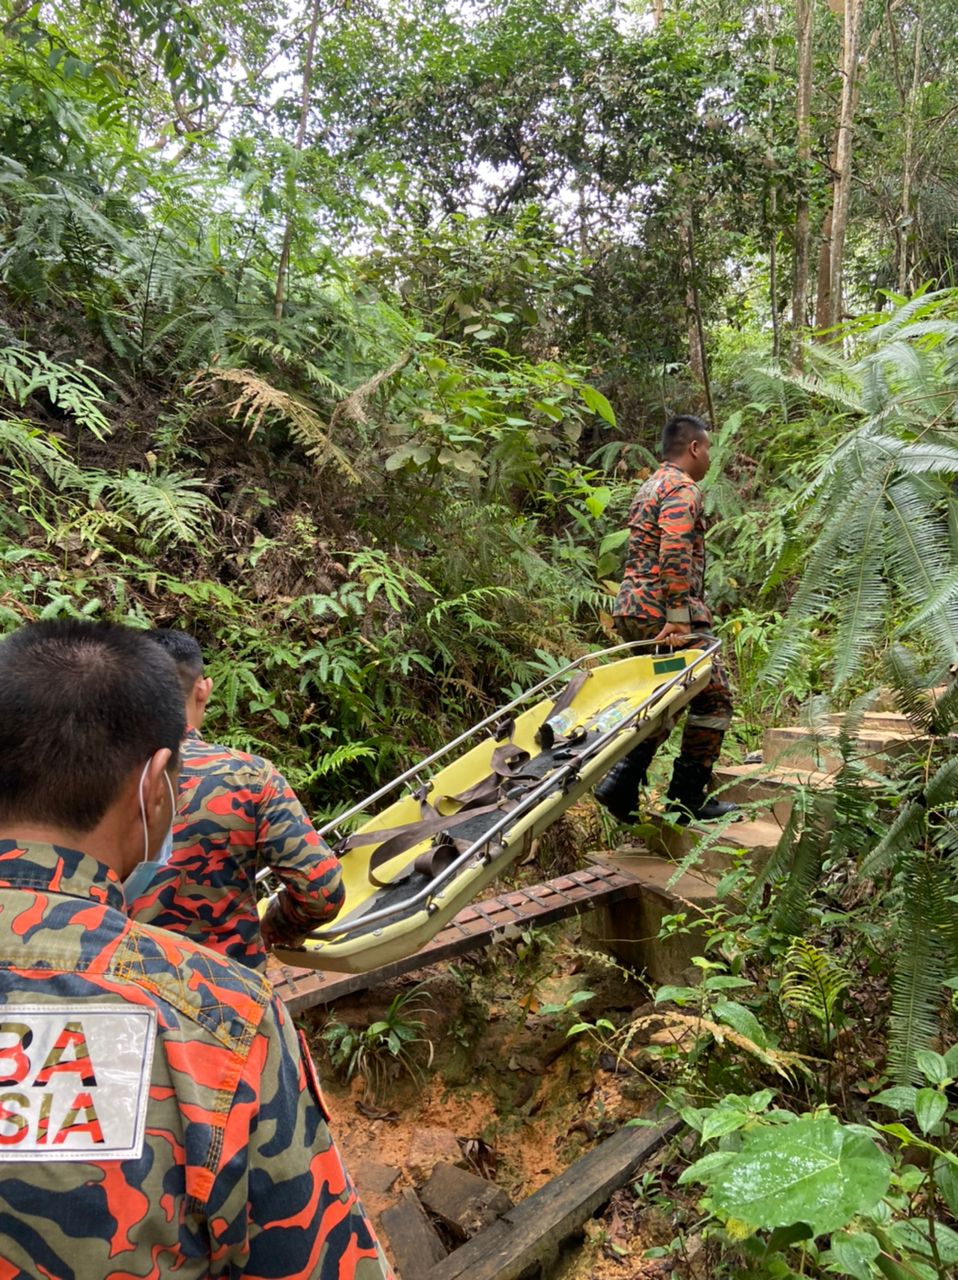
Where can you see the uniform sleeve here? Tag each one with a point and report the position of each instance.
(283, 1206)
(288, 843)
(678, 515)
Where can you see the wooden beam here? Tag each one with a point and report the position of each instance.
(532, 1232)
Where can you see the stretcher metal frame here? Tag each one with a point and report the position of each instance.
(481, 849)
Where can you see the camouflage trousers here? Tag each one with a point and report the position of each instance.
(709, 713)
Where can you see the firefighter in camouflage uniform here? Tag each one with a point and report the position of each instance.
(236, 814)
(158, 1113)
(661, 599)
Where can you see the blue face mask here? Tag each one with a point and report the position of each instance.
(143, 874)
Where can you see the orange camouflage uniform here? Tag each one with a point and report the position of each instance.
(216, 1161)
(236, 814)
(664, 581)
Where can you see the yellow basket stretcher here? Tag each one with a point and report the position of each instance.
(410, 868)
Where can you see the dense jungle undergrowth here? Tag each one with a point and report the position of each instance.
(341, 340)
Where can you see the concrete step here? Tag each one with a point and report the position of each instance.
(630, 928)
(764, 784)
(890, 720)
(756, 838)
(886, 699)
(817, 749)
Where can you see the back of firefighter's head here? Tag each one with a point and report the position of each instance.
(91, 718)
(188, 656)
(686, 443)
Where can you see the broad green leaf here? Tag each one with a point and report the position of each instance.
(811, 1171)
(708, 1167)
(597, 402)
(946, 1176)
(854, 1252)
(723, 1120)
(913, 1235)
(901, 1098)
(742, 1020)
(680, 995)
(932, 1066)
(726, 982)
(930, 1106)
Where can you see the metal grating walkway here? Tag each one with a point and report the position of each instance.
(475, 927)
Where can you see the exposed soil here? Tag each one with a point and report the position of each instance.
(522, 1098)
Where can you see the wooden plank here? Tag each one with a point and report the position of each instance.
(413, 1240)
(532, 1232)
(473, 928)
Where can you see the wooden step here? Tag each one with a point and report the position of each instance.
(817, 749)
(526, 1241)
(773, 788)
(479, 925)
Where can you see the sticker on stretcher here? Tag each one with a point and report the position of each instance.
(74, 1081)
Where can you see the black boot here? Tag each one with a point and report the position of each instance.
(619, 789)
(688, 790)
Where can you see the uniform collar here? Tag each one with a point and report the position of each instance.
(54, 868)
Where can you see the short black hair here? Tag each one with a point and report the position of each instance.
(679, 432)
(81, 705)
(185, 652)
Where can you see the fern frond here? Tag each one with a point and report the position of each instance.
(780, 1061)
(257, 401)
(900, 838)
(919, 969)
(165, 506)
(274, 350)
(814, 981)
(70, 387)
(808, 853)
(29, 446)
(909, 686)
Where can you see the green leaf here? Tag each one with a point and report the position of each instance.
(813, 1171)
(909, 1139)
(930, 1106)
(708, 1167)
(901, 1098)
(855, 1252)
(913, 1235)
(932, 1066)
(679, 995)
(723, 1120)
(742, 1020)
(597, 402)
(726, 982)
(946, 1176)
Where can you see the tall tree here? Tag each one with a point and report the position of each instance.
(805, 25)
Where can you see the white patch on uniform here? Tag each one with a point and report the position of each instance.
(74, 1081)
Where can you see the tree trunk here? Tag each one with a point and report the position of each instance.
(906, 236)
(283, 268)
(805, 21)
(842, 187)
(698, 358)
(772, 220)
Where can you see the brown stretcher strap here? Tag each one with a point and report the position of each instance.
(485, 796)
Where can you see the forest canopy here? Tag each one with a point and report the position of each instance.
(339, 335)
